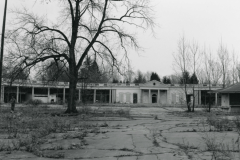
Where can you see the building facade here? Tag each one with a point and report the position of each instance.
(230, 97)
(150, 92)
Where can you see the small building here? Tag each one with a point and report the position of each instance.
(230, 97)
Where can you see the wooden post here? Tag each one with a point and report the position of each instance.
(149, 96)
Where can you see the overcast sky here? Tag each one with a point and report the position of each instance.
(205, 21)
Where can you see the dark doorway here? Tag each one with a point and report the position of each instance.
(134, 97)
(154, 98)
(102, 96)
(207, 97)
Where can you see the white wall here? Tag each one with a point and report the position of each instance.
(52, 96)
(176, 96)
(225, 100)
(122, 95)
(163, 97)
(145, 96)
(43, 98)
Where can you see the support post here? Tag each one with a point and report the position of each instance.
(110, 96)
(200, 97)
(113, 96)
(32, 92)
(94, 96)
(216, 99)
(79, 95)
(158, 97)
(149, 96)
(2, 95)
(17, 96)
(140, 97)
(49, 100)
(64, 95)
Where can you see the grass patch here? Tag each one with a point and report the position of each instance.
(28, 128)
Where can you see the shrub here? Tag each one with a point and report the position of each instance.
(85, 110)
(220, 124)
(217, 147)
(34, 102)
(236, 121)
(122, 112)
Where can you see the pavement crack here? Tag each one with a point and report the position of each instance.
(133, 142)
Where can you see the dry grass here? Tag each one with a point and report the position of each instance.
(28, 127)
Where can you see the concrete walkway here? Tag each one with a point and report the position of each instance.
(168, 136)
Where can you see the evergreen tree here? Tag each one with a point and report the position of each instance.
(53, 71)
(154, 76)
(185, 79)
(92, 72)
(139, 78)
(166, 80)
(115, 80)
(194, 79)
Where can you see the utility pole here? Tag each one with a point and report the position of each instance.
(2, 48)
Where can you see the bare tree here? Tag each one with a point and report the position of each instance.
(215, 70)
(181, 62)
(128, 74)
(147, 75)
(234, 68)
(195, 61)
(86, 27)
(201, 75)
(207, 67)
(223, 56)
(238, 71)
(175, 78)
(139, 78)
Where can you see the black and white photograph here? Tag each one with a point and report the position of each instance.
(119, 80)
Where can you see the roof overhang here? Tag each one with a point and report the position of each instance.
(230, 92)
(154, 88)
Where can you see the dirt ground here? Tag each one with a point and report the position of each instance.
(119, 133)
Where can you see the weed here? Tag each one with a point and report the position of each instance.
(34, 102)
(218, 149)
(236, 121)
(57, 155)
(104, 125)
(155, 142)
(220, 124)
(85, 110)
(126, 149)
(124, 113)
(187, 148)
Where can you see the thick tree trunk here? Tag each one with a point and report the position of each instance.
(193, 105)
(72, 89)
(209, 103)
(187, 98)
(71, 98)
(188, 105)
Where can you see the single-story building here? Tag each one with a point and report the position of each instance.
(230, 97)
(149, 92)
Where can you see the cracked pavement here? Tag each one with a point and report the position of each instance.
(170, 137)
